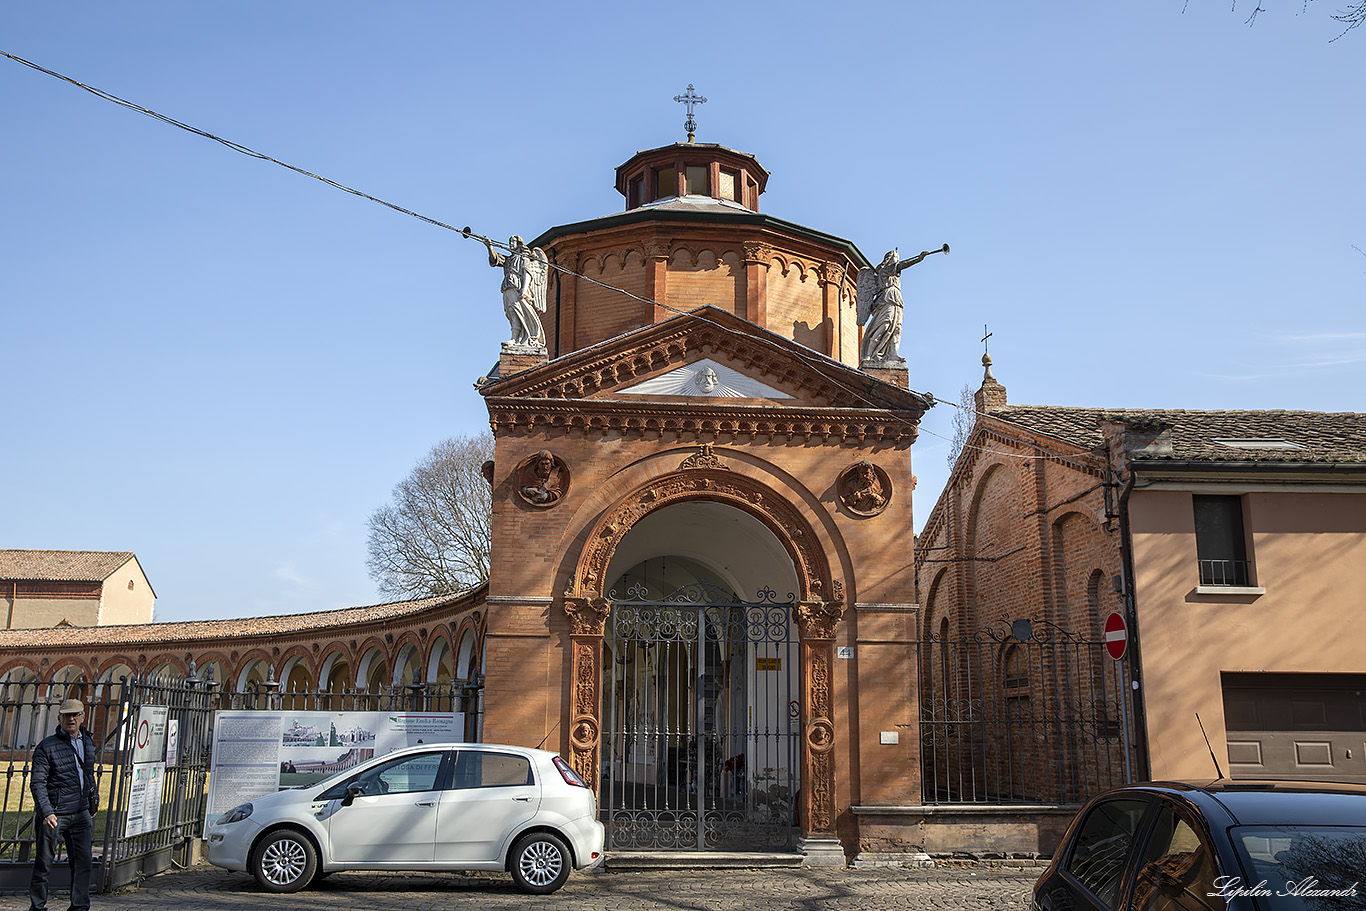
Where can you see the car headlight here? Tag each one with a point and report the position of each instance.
(236, 814)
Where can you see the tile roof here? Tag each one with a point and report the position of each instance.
(1320, 436)
(61, 565)
(206, 630)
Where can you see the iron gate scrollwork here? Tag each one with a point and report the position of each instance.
(701, 748)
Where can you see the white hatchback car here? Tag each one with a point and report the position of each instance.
(452, 806)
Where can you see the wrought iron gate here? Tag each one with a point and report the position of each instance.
(1022, 712)
(700, 721)
(28, 712)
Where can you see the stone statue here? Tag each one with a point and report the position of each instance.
(525, 270)
(880, 306)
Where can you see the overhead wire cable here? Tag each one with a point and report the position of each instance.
(246, 150)
(235, 146)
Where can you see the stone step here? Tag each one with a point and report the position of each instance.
(618, 861)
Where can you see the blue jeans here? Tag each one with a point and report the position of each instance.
(78, 832)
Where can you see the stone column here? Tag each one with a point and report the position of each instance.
(816, 621)
(587, 618)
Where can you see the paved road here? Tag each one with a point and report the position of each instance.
(978, 888)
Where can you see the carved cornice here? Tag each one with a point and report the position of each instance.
(686, 422)
(709, 332)
(722, 486)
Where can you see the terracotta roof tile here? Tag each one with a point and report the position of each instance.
(61, 565)
(1319, 436)
(204, 630)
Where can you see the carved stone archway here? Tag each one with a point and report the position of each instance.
(819, 609)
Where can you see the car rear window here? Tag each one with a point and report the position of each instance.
(1103, 844)
(486, 769)
(1301, 868)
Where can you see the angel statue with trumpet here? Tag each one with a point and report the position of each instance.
(880, 307)
(524, 279)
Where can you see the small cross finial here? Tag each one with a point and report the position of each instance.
(985, 335)
(690, 99)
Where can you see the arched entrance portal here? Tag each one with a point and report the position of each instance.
(727, 523)
(701, 715)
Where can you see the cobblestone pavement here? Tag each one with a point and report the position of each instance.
(976, 887)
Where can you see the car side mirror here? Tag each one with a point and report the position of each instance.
(352, 792)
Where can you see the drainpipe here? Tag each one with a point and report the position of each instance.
(1131, 618)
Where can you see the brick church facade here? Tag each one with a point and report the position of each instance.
(699, 423)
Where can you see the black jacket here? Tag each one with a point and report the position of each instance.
(53, 781)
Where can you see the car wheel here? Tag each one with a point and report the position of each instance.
(284, 861)
(540, 863)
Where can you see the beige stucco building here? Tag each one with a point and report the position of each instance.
(40, 588)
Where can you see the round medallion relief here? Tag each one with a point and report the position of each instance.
(865, 489)
(542, 480)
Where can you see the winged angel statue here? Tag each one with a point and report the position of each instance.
(880, 307)
(525, 270)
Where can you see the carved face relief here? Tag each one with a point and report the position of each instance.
(707, 381)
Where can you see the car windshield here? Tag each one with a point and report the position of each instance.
(1301, 868)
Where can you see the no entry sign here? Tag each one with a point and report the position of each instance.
(1116, 636)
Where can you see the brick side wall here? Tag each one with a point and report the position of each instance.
(1020, 532)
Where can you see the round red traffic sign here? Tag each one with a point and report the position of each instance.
(1116, 636)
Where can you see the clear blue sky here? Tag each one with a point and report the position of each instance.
(225, 367)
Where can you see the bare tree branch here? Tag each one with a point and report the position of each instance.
(433, 535)
(1352, 16)
(964, 419)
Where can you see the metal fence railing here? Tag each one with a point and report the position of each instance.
(114, 708)
(1022, 713)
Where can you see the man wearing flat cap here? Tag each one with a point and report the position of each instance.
(65, 794)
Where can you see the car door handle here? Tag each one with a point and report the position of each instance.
(524, 799)
(426, 803)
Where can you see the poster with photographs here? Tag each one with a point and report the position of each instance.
(256, 753)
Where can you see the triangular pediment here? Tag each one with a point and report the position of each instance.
(703, 379)
(707, 357)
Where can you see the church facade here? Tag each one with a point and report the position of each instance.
(701, 583)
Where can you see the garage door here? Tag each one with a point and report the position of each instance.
(1300, 726)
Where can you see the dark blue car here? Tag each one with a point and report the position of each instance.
(1235, 845)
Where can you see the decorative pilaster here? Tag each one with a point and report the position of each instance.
(587, 618)
(657, 268)
(831, 279)
(756, 260)
(816, 621)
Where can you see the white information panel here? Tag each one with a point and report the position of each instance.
(257, 753)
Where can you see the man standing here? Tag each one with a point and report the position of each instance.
(65, 794)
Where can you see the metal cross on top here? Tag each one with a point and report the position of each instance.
(985, 335)
(690, 98)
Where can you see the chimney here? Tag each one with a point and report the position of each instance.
(991, 394)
